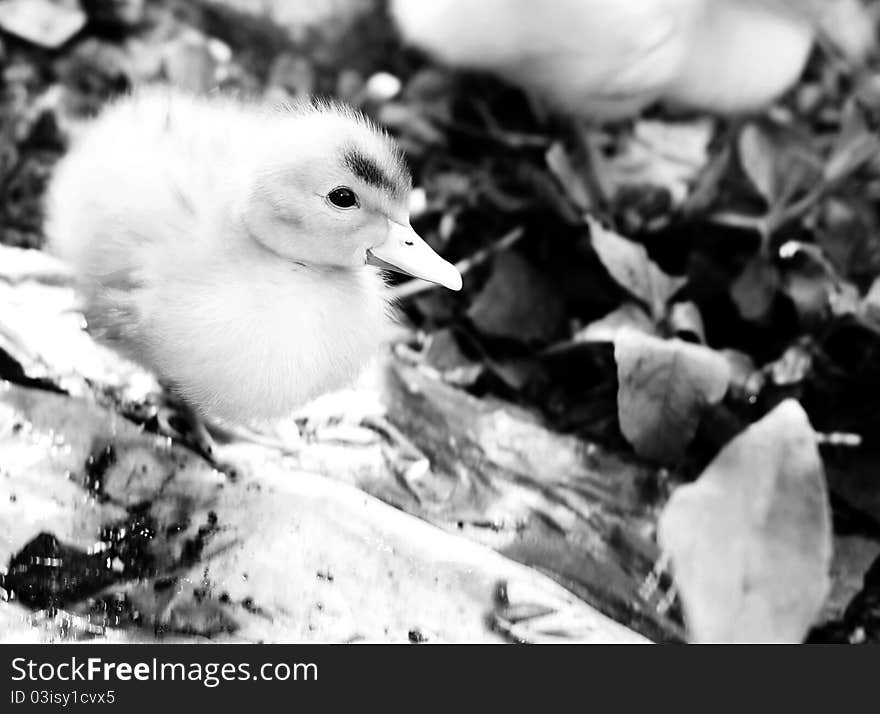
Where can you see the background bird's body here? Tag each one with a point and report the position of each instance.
(611, 58)
(147, 207)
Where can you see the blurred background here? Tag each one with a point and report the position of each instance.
(666, 216)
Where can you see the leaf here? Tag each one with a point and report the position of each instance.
(192, 62)
(848, 24)
(627, 316)
(569, 176)
(757, 154)
(517, 302)
(42, 22)
(443, 351)
(665, 155)
(750, 541)
(292, 75)
(411, 122)
(685, 321)
(848, 231)
(629, 264)
(809, 292)
(793, 367)
(663, 385)
(746, 381)
(814, 285)
(755, 288)
(870, 307)
(851, 155)
(781, 162)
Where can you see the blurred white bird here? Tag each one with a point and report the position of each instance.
(224, 245)
(611, 58)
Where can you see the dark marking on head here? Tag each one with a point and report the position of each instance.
(390, 175)
(367, 170)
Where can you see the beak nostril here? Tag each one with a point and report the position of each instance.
(403, 251)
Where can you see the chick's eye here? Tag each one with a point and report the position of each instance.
(343, 197)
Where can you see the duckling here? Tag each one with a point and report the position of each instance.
(609, 59)
(230, 248)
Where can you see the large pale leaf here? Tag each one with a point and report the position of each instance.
(750, 541)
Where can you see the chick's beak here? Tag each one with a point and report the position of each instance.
(404, 251)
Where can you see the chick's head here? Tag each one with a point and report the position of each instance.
(334, 192)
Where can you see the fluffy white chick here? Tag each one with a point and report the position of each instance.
(225, 245)
(611, 58)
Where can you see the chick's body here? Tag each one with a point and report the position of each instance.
(154, 207)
